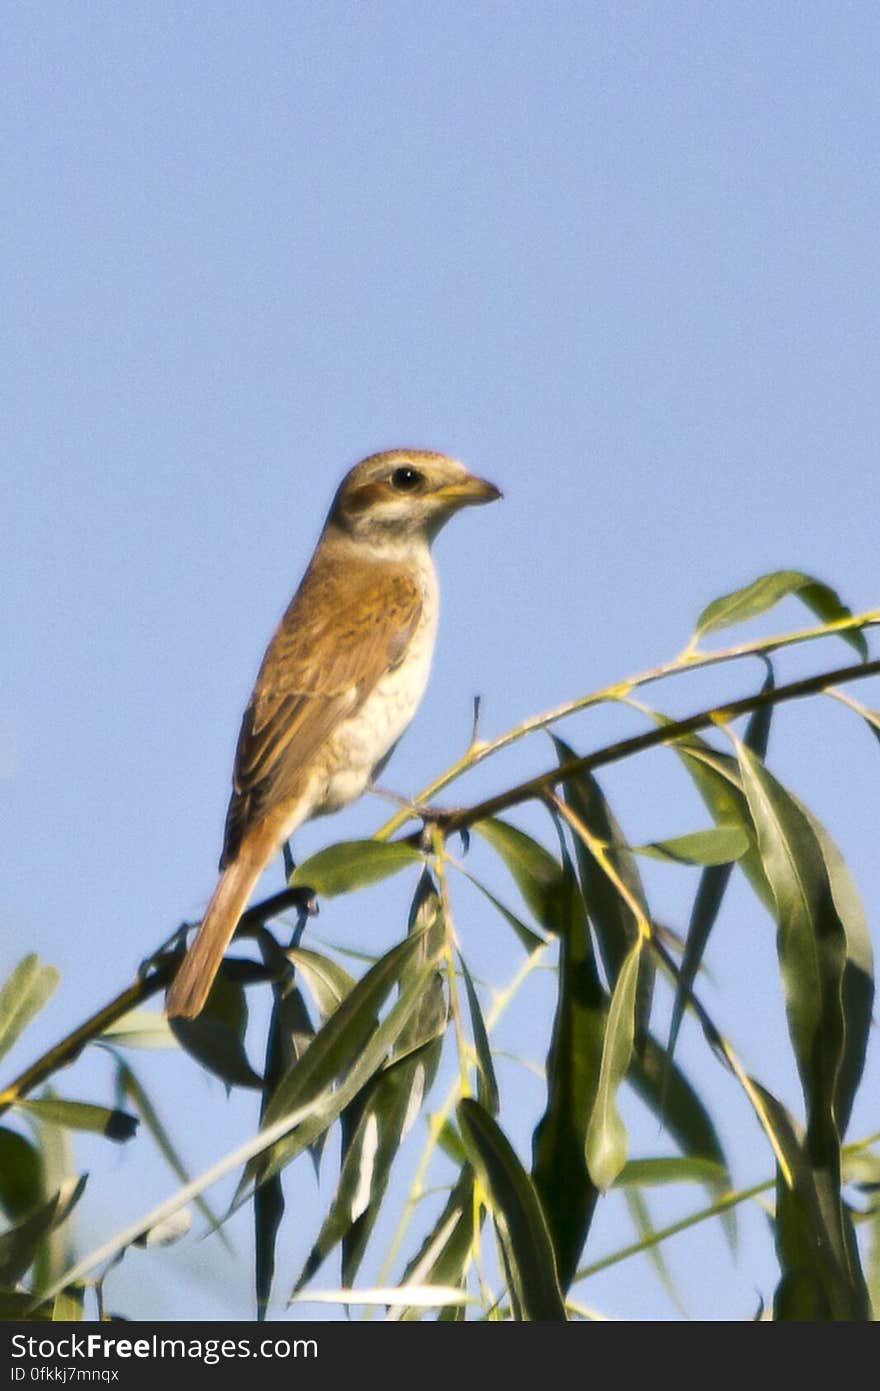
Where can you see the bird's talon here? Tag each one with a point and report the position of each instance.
(307, 902)
(289, 863)
(439, 818)
(176, 942)
(436, 816)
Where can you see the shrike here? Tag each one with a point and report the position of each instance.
(340, 681)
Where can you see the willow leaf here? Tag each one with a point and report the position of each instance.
(352, 864)
(516, 1211)
(812, 949)
(536, 873)
(82, 1115)
(443, 1256)
(606, 1132)
(767, 590)
(559, 1166)
(23, 995)
(611, 915)
(346, 1051)
(715, 878)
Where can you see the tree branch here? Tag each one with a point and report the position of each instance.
(69, 1048)
(543, 783)
(689, 660)
(147, 985)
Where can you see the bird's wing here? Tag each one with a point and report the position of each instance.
(345, 628)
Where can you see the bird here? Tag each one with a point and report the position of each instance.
(340, 680)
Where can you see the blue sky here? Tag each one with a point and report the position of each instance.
(620, 258)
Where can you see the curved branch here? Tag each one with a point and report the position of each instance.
(543, 783)
(69, 1048)
(689, 660)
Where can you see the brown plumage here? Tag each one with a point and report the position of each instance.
(346, 626)
(340, 680)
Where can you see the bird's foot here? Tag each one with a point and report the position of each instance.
(425, 811)
(289, 862)
(440, 818)
(306, 901)
(301, 897)
(175, 943)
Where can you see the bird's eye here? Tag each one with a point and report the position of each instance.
(406, 479)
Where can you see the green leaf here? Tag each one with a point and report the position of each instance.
(20, 1174)
(140, 1028)
(377, 1119)
(19, 1305)
(19, 1244)
(328, 982)
(529, 939)
(428, 1022)
(716, 846)
(767, 590)
(290, 1031)
(487, 1083)
(443, 1255)
(517, 1214)
(715, 878)
(821, 1278)
(82, 1115)
(351, 864)
(613, 920)
(674, 1168)
(717, 778)
(23, 995)
(68, 1305)
(536, 873)
(347, 1047)
(380, 1115)
(449, 1141)
(215, 1038)
(606, 1133)
(58, 1174)
(392, 1100)
(396, 1097)
(858, 971)
(559, 1166)
(268, 1214)
(811, 944)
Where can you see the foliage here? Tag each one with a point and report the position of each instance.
(363, 1053)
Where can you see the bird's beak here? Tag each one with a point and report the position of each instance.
(468, 491)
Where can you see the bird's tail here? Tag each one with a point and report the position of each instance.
(193, 981)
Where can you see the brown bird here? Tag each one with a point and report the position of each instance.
(340, 681)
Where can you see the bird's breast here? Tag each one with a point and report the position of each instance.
(364, 741)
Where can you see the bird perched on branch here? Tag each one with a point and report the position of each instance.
(340, 681)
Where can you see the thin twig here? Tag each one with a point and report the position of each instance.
(460, 818)
(142, 989)
(688, 661)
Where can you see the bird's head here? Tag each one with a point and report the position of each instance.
(405, 495)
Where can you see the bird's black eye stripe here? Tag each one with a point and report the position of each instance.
(406, 478)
